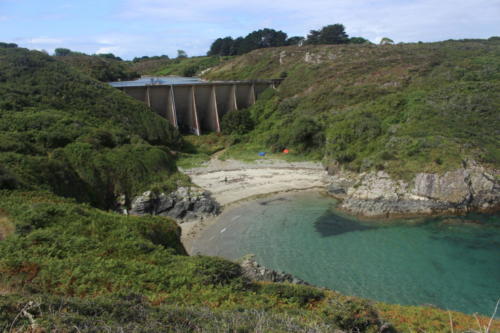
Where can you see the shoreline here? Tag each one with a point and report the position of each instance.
(232, 183)
(192, 230)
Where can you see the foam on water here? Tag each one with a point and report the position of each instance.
(453, 262)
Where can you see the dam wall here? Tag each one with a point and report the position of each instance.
(198, 107)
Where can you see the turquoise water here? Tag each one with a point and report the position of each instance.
(452, 263)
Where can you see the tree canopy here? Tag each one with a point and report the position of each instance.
(255, 40)
(330, 34)
(263, 38)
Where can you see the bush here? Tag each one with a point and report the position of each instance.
(237, 122)
(294, 293)
(190, 71)
(305, 134)
(7, 181)
(354, 315)
(37, 216)
(216, 271)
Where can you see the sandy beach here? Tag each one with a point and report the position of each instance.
(232, 181)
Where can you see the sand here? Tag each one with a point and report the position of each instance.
(231, 182)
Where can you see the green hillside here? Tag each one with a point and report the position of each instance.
(69, 145)
(178, 67)
(100, 68)
(63, 131)
(403, 108)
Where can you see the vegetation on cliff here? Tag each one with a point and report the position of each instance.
(100, 67)
(178, 67)
(403, 108)
(63, 131)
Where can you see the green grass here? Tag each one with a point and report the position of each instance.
(200, 149)
(179, 67)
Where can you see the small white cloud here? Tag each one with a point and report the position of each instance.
(44, 40)
(108, 49)
(3, 18)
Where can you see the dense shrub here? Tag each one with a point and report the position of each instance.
(354, 315)
(237, 122)
(100, 67)
(63, 131)
(7, 181)
(294, 293)
(304, 134)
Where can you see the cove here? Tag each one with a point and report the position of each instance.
(449, 262)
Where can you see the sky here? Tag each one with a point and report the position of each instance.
(130, 28)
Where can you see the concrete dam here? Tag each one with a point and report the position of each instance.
(192, 105)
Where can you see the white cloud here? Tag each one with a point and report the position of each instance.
(401, 20)
(108, 49)
(44, 40)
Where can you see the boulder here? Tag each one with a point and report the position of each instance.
(144, 204)
(186, 203)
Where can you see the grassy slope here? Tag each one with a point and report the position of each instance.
(102, 69)
(404, 108)
(179, 67)
(65, 132)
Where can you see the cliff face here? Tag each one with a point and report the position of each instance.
(376, 194)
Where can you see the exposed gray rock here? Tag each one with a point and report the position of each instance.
(165, 203)
(186, 203)
(255, 272)
(144, 204)
(337, 189)
(374, 194)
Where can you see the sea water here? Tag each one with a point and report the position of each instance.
(449, 262)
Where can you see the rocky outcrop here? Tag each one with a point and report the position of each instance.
(376, 194)
(255, 272)
(185, 204)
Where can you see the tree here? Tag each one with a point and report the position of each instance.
(386, 41)
(237, 122)
(215, 48)
(62, 52)
(236, 48)
(181, 54)
(295, 40)
(109, 56)
(333, 34)
(255, 40)
(8, 45)
(330, 34)
(358, 40)
(313, 37)
(226, 46)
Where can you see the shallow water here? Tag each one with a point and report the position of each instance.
(453, 262)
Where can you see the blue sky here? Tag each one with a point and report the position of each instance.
(130, 28)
